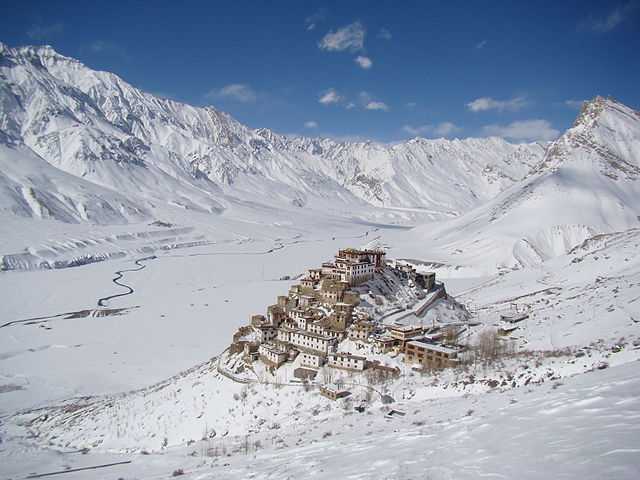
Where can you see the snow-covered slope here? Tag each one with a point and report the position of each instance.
(96, 126)
(588, 183)
(445, 177)
(30, 187)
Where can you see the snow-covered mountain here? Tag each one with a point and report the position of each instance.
(205, 221)
(588, 183)
(123, 155)
(30, 187)
(157, 151)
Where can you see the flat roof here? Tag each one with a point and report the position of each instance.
(272, 348)
(362, 323)
(344, 261)
(265, 326)
(332, 388)
(432, 346)
(383, 338)
(404, 328)
(312, 352)
(434, 336)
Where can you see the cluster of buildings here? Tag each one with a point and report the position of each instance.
(320, 312)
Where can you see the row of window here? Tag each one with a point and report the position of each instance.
(310, 342)
(421, 352)
(430, 354)
(312, 360)
(347, 363)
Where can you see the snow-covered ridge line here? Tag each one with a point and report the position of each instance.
(158, 151)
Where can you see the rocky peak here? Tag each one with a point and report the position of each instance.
(590, 111)
(602, 130)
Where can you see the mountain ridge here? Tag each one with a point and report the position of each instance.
(97, 126)
(587, 184)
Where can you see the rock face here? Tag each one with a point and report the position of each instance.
(605, 131)
(157, 151)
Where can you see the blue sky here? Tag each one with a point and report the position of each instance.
(356, 69)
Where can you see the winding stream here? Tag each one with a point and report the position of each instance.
(118, 277)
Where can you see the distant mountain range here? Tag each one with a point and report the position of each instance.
(78, 145)
(82, 145)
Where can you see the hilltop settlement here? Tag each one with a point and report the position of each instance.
(357, 312)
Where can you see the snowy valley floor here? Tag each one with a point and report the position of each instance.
(533, 416)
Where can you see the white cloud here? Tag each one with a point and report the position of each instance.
(411, 104)
(375, 105)
(364, 101)
(239, 92)
(481, 44)
(311, 22)
(575, 104)
(44, 31)
(418, 131)
(446, 128)
(311, 124)
(349, 38)
(384, 34)
(612, 20)
(525, 131)
(369, 103)
(443, 129)
(364, 62)
(330, 96)
(487, 103)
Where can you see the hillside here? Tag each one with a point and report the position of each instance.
(588, 183)
(31, 187)
(161, 152)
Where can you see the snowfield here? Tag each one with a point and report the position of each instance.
(138, 233)
(581, 319)
(582, 427)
